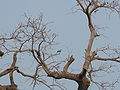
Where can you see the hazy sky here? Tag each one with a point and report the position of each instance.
(71, 27)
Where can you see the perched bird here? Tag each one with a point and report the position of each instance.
(1, 53)
(59, 51)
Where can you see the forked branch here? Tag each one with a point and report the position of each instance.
(70, 60)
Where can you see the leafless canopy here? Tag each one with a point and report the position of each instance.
(89, 7)
(33, 37)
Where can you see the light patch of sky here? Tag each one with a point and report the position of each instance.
(71, 27)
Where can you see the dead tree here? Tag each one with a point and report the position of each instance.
(34, 38)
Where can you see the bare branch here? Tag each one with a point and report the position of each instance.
(108, 59)
(13, 65)
(25, 75)
(79, 3)
(70, 60)
(34, 78)
(7, 71)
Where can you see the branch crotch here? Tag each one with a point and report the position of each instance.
(83, 84)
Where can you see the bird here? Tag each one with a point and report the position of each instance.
(59, 51)
(1, 53)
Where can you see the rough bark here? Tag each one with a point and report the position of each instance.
(8, 87)
(83, 84)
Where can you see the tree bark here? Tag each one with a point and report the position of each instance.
(83, 84)
(8, 87)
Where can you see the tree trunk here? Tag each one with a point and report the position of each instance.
(84, 84)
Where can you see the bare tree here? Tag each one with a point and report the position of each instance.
(33, 37)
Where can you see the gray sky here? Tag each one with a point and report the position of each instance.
(71, 27)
